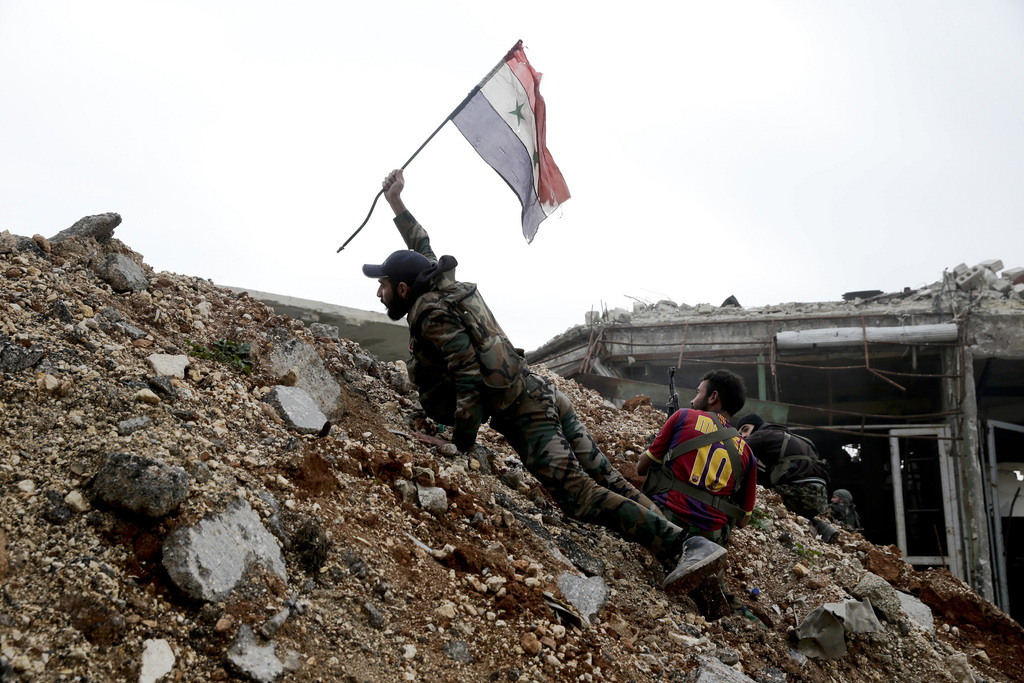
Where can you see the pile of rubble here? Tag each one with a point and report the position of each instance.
(197, 489)
(986, 284)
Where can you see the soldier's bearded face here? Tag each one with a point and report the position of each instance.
(700, 401)
(396, 305)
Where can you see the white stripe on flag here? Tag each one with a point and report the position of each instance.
(506, 94)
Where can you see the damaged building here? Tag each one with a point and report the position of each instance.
(915, 398)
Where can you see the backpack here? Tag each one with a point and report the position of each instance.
(784, 462)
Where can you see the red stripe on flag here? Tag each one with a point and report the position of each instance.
(551, 187)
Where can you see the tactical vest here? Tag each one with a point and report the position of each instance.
(501, 365)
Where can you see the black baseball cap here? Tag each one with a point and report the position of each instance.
(402, 266)
(751, 419)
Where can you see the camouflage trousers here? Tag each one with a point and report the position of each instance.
(553, 444)
(809, 500)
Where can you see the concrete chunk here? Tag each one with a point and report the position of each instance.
(157, 661)
(312, 375)
(587, 594)
(248, 658)
(167, 365)
(882, 596)
(919, 613)
(322, 330)
(121, 273)
(100, 227)
(299, 411)
(972, 278)
(711, 670)
(208, 559)
(1012, 274)
(433, 499)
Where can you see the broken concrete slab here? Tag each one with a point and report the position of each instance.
(297, 408)
(207, 560)
(882, 595)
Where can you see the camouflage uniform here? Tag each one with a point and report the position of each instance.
(554, 445)
(468, 372)
(809, 500)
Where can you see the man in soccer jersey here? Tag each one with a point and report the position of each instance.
(702, 475)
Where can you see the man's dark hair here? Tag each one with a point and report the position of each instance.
(730, 389)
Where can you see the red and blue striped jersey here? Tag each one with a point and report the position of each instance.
(708, 467)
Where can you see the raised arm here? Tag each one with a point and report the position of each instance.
(412, 232)
(393, 185)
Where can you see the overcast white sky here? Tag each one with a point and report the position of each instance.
(777, 151)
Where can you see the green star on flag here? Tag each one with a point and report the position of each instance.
(518, 111)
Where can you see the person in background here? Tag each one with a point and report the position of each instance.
(843, 509)
(789, 464)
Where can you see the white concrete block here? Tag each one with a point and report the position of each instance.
(972, 278)
(994, 264)
(1012, 274)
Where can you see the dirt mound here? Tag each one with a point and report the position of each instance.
(378, 587)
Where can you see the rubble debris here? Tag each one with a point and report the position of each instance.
(245, 512)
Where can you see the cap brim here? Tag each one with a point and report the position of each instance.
(371, 270)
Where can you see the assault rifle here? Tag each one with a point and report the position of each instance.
(673, 397)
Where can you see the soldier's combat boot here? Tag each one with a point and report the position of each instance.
(700, 559)
(829, 534)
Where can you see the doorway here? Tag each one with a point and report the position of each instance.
(1005, 446)
(926, 499)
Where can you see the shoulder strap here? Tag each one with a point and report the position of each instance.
(724, 435)
(782, 464)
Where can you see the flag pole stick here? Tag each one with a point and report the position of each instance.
(448, 118)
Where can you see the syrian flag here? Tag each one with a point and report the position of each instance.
(504, 119)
